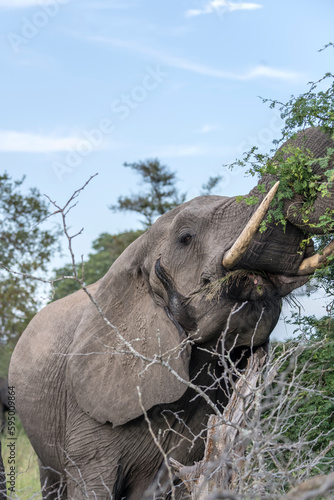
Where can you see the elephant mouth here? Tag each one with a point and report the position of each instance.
(239, 285)
(244, 285)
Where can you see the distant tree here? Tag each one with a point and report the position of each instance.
(211, 185)
(25, 248)
(161, 196)
(107, 248)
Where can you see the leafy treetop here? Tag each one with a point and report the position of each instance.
(24, 249)
(161, 196)
(107, 248)
(293, 166)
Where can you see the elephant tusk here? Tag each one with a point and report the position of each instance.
(232, 257)
(311, 264)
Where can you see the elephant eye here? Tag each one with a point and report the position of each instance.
(186, 239)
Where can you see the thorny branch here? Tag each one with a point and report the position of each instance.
(64, 211)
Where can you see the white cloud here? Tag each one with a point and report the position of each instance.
(222, 6)
(259, 71)
(21, 142)
(267, 71)
(207, 128)
(22, 4)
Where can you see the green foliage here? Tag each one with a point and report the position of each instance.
(107, 248)
(314, 108)
(161, 196)
(314, 400)
(6, 350)
(293, 165)
(25, 248)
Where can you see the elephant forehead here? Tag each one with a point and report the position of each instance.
(213, 224)
(202, 209)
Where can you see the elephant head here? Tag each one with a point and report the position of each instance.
(189, 280)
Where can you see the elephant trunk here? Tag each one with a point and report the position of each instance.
(317, 142)
(281, 239)
(311, 264)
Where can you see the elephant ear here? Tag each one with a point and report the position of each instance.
(103, 373)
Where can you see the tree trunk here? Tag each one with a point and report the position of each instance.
(226, 443)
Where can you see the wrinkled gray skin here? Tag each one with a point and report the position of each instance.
(78, 396)
(3, 402)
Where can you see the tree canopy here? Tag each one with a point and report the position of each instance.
(161, 196)
(25, 248)
(107, 248)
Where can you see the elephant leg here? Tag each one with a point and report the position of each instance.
(91, 457)
(161, 488)
(87, 483)
(52, 483)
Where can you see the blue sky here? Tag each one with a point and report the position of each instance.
(88, 85)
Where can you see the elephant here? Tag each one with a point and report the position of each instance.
(118, 378)
(3, 402)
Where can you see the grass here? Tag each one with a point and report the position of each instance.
(27, 485)
(214, 289)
